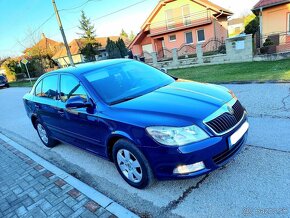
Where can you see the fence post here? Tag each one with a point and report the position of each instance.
(174, 57)
(154, 58)
(199, 53)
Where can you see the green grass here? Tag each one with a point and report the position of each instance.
(22, 83)
(237, 72)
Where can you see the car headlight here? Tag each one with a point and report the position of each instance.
(177, 136)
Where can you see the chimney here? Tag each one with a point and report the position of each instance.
(42, 36)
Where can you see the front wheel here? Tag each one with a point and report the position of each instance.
(7, 85)
(44, 135)
(132, 164)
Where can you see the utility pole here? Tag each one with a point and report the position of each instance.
(63, 34)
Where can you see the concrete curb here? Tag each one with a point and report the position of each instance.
(107, 203)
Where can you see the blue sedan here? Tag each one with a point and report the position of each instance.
(148, 123)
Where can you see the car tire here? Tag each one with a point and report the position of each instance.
(137, 174)
(44, 135)
(7, 85)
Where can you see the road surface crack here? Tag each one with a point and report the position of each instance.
(174, 204)
(268, 116)
(271, 149)
(284, 103)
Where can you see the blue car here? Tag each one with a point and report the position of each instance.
(3, 81)
(151, 125)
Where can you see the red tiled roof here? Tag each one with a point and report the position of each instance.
(268, 3)
(45, 44)
(76, 44)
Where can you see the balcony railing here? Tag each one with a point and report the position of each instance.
(182, 22)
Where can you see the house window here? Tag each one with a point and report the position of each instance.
(200, 35)
(172, 38)
(288, 23)
(188, 38)
(170, 19)
(186, 15)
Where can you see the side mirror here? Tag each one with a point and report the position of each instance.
(164, 70)
(77, 102)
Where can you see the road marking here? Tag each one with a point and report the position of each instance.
(107, 203)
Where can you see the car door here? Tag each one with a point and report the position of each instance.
(45, 102)
(80, 125)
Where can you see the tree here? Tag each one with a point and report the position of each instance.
(11, 68)
(112, 49)
(88, 29)
(123, 34)
(90, 50)
(122, 47)
(252, 24)
(90, 47)
(132, 36)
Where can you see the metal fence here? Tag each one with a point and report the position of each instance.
(214, 46)
(186, 51)
(273, 43)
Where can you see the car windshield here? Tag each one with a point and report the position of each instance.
(125, 81)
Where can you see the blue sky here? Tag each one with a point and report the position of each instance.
(18, 18)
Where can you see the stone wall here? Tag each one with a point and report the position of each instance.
(238, 49)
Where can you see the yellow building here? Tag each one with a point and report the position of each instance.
(274, 22)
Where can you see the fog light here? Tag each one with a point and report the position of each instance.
(184, 169)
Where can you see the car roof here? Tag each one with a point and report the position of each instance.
(87, 67)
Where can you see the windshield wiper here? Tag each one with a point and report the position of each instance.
(124, 99)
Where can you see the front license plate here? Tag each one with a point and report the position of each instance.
(234, 138)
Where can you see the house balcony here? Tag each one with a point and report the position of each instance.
(181, 23)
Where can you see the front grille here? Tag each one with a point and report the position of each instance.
(220, 158)
(226, 120)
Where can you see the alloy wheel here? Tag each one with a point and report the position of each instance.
(129, 165)
(42, 133)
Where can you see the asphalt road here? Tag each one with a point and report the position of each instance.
(256, 183)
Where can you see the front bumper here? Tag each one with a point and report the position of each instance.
(213, 152)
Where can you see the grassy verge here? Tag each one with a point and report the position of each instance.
(237, 72)
(22, 83)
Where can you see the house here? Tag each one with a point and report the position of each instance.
(43, 47)
(61, 56)
(174, 23)
(75, 48)
(236, 26)
(274, 22)
(103, 54)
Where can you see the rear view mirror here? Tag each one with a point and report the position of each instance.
(164, 70)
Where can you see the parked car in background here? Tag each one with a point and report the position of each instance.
(145, 121)
(3, 81)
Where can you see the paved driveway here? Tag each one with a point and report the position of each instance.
(256, 183)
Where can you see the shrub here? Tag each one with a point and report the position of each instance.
(268, 42)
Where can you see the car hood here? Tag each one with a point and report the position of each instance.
(177, 104)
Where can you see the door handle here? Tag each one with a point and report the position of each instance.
(61, 112)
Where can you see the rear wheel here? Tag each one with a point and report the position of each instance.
(132, 164)
(44, 135)
(7, 85)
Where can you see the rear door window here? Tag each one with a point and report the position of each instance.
(49, 87)
(38, 89)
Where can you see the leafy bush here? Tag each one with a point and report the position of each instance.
(11, 68)
(253, 26)
(222, 49)
(268, 42)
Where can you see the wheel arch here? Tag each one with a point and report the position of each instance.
(33, 120)
(113, 138)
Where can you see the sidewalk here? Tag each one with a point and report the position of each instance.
(27, 189)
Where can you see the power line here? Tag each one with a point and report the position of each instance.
(106, 15)
(31, 34)
(76, 7)
(70, 28)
